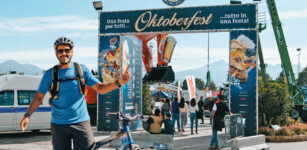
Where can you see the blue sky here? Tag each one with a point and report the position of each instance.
(28, 29)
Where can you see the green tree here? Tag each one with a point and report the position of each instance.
(184, 85)
(274, 103)
(302, 77)
(146, 100)
(212, 86)
(200, 84)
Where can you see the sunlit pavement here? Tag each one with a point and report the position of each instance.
(42, 140)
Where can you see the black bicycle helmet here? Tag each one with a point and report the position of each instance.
(63, 41)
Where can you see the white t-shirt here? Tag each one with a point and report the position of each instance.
(193, 109)
(214, 107)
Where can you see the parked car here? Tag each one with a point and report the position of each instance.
(16, 93)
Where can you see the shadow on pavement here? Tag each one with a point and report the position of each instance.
(18, 137)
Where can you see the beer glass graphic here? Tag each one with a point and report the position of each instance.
(167, 50)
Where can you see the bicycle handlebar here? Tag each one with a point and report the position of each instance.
(121, 117)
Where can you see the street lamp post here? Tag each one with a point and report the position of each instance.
(96, 113)
(98, 5)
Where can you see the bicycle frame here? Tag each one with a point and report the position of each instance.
(123, 134)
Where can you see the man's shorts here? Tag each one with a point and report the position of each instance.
(80, 134)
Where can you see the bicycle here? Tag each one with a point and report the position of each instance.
(123, 134)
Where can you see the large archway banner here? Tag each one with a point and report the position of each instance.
(206, 18)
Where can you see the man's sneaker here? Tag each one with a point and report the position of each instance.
(211, 147)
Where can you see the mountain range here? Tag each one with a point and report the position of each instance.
(12, 65)
(218, 70)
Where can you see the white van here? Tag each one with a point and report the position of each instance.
(16, 93)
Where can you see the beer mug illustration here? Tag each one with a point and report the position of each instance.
(167, 50)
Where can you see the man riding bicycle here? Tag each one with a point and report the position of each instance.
(69, 117)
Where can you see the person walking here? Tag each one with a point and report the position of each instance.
(209, 105)
(200, 110)
(219, 110)
(166, 107)
(175, 114)
(70, 121)
(193, 110)
(184, 111)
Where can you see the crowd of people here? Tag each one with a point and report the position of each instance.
(177, 112)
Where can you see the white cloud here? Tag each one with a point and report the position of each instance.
(81, 34)
(284, 15)
(298, 14)
(45, 58)
(183, 57)
(42, 54)
(34, 24)
(86, 52)
(272, 56)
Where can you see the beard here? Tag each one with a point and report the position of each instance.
(64, 59)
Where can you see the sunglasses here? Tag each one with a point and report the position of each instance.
(60, 51)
